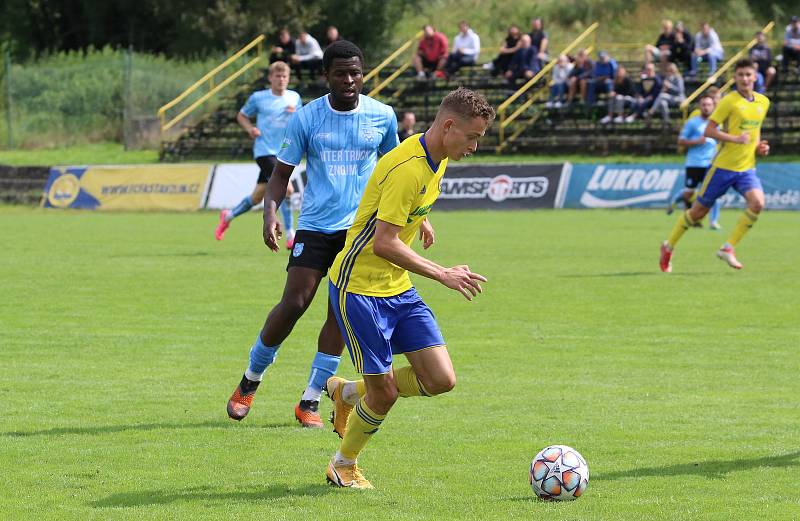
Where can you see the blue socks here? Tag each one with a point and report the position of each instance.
(243, 206)
(261, 357)
(715, 211)
(286, 213)
(323, 367)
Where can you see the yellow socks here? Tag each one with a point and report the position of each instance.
(407, 383)
(361, 424)
(746, 221)
(683, 223)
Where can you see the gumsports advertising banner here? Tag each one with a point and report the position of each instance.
(501, 186)
(654, 185)
(139, 187)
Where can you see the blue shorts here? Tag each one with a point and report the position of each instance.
(718, 180)
(375, 328)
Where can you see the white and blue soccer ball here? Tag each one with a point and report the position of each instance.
(559, 473)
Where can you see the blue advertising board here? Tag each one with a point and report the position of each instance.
(655, 185)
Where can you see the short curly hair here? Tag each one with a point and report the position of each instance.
(467, 104)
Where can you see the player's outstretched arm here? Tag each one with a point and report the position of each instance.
(713, 131)
(276, 192)
(389, 246)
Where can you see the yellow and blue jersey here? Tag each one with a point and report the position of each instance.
(401, 191)
(739, 115)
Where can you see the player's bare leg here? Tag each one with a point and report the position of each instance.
(301, 286)
(755, 204)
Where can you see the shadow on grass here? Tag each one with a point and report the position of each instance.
(202, 494)
(109, 429)
(632, 274)
(712, 469)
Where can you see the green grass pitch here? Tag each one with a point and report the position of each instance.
(123, 334)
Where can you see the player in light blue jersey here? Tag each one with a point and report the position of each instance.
(272, 108)
(700, 152)
(341, 135)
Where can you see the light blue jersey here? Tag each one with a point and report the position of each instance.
(341, 151)
(273, 114)
(698, 155)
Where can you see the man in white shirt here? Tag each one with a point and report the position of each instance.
(466, 48)
(309, 55)
(791, 45)
(708, 48)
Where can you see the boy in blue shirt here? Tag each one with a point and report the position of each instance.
(341, 135)
(272, 108)
(700, 151)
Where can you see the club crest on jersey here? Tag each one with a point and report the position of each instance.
(297, 250)
(368, 134)
(424, 190)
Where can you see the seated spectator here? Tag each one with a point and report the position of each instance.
(283, 49)
(308, 55)
(407, 125)
(558, 88)
(662, 50)
(791, 45)
(707, 48)
(466, 48)
(581, 72)
(648, 88)
(331, 35)
(760, 84)
(510, 45)
(525, 64)
(622, 94)
(539, 39)
(671, 95)
(682, 47)
(602, 77)
(761, 54)
(431, 52)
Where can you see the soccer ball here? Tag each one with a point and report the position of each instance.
(559, 473)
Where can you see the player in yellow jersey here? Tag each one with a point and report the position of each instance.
(741, 112)
(378, 310)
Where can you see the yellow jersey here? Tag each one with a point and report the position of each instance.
(401, 191)
(739, 115)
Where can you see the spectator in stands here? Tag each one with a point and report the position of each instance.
(671, 95)
(682, 47)
(761, 54)
(622, 94)
(525, 63)
(708, 48)
(581, 72)
(662, 50)
(331, 35)
(308, 55)
(558, 89)
(791, 45)
(431, 53)
(648, 89)
(602, 77)
(760, 84)
(407, 125)
(510, 45)
(466, 48)
(283, 49)
(539, 39)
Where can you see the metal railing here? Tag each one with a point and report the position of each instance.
(214, 87)
(375, 73)
(718, 74)
(505, 120)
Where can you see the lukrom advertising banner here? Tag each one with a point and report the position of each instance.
(139, 187)
(655, 185)
(501, 186)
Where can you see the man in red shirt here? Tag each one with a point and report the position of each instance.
(431, 53)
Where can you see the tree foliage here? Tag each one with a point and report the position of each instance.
(185, 27)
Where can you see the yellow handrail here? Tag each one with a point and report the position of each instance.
(258, 41)
(714, 77)
(374, 72)
(501, 110)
